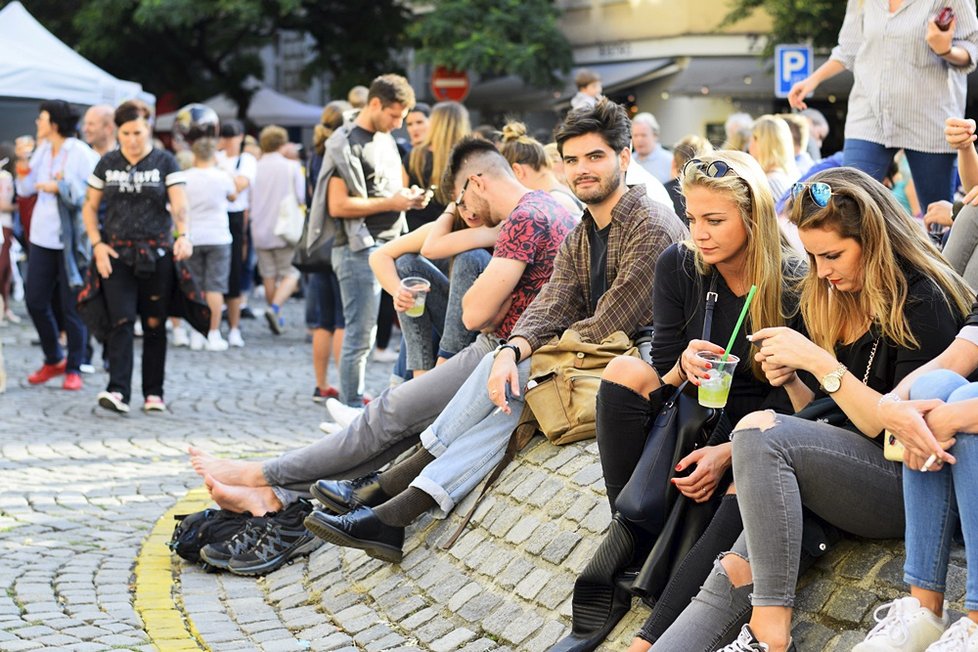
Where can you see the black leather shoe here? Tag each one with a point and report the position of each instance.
(359, 529)
(342, 496)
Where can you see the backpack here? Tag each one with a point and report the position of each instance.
(194, 531)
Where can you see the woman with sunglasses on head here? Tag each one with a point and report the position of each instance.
(878, 302)
(734, 243)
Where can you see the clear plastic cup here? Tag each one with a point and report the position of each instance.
(713, 392)
(419, 288)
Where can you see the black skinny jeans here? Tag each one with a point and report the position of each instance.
(128, 295)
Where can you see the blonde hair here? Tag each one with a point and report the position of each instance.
(863, 209)
(800, 129)
(272, 138)
(768, 250)
(775, 149)
(518, 147)
(690, 147)
(449, 124)
(331, 120)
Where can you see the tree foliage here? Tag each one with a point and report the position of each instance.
(519, 37)
(795, 21)
(198, 48)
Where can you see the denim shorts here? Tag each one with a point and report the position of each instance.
(211, 267)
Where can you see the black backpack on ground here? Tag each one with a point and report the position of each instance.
(194, 531)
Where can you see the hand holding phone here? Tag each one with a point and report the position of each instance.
(944, 18)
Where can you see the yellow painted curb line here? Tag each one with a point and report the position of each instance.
(165, 622)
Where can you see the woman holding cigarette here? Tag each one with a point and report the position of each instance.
(936, 489)
(878, 302)
(734, 243)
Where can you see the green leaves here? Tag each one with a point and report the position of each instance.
(795, 21)
(495, 37)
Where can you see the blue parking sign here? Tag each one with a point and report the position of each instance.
(792, 63)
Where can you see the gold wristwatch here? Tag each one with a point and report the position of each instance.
(832, 381)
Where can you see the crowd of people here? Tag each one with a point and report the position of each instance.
(859, 335)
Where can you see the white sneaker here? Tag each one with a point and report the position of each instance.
(215, 342)
(341, 413)
(197, 341)
(234, 338)
(905, 627)
(180, 337)
(329, 427)
(962, 636)
(137, 328)
(385, 355)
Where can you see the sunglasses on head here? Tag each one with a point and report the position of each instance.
(819, 192)
(714, 169)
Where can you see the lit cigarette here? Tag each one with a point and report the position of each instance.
(927, 464)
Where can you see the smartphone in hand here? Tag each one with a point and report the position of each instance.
(944, 18)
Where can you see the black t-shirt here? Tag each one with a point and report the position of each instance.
(679, 299)
(135, 195)
(430, 212)
(382, 170)
(598, 246)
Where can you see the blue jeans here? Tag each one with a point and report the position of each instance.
(933, 174)
(360, 291)
(443, 306)
(468, 438)
(324, 305)
(47, 283)
(936, 499)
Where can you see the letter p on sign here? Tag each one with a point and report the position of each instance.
(792, 63)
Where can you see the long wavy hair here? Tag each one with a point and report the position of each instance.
(449, 124)
(769, 254)
(892, 244)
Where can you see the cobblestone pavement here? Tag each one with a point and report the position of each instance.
(81, 490)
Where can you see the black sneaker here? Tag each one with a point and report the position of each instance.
(747, 642)
(219, 554)
(284, 538)
(247, 313)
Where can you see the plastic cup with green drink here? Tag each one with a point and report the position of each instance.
(418, 287)
(713, 391)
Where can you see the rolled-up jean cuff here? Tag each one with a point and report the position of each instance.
(432, 444)
(268, 472)
(438, 493)
(442, 353)
(772, 601)
(285, 496)
(928, 585)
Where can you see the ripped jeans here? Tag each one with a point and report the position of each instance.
(839, 475)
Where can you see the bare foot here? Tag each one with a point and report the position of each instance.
(257, 500)
(232, 472)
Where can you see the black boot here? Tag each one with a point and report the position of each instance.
(599, 601)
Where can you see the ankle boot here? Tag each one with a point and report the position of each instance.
(599, 602)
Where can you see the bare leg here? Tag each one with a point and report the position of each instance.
(771, 625)
(929, 599)
(269, 284)
(285, 289)
(639, 645)
(232, 472)
(322, 343)
(215, 300)
(258, 501)
(234, 312)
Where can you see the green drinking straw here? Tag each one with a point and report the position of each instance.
(740, 322)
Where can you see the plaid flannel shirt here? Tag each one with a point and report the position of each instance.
(641, 229)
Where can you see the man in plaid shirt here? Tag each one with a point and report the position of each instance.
(601, 283)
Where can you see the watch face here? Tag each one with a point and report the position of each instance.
(831, 383)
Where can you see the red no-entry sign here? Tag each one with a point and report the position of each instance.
(449, 84)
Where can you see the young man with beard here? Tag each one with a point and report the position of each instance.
(601, 283)
(534, 225)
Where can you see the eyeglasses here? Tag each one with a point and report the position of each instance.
(820, 192)
(714, 169)
(465, 186)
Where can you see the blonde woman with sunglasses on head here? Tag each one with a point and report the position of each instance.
(878, 302)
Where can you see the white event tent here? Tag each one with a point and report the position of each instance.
(36, 65)
(267, 107)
